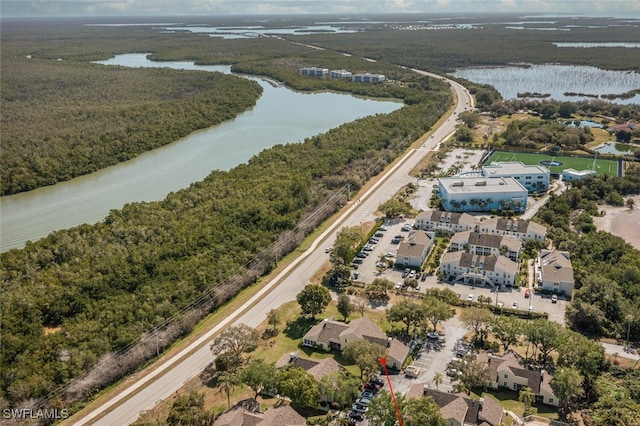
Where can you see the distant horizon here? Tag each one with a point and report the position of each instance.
(614, 9)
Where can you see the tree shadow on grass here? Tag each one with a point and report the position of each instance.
(299, 327)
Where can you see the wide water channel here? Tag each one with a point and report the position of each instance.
(280, 116)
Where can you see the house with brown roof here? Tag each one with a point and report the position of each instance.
(509, 371)
(470, 268)
(523, 229)
(556, 272)
(442, 222)
(459, 409)
(487, 244)
(330, 334)
(247, 413)
(414, 250)
(317, 368)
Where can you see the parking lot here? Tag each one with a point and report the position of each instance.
(367, 272)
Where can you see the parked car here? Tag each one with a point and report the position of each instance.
(363, 401)
(470, 297)
(412, 274)
(377, 381)
(554, 299)
(358, 260)
(356, 416)
(378, 235)
(412, 371)
(382, 228)
(367, 394)
(358, 408)
(527, 293)
(515, 305)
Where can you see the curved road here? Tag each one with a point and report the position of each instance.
(168, 377)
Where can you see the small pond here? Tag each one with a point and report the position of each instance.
(618, 148)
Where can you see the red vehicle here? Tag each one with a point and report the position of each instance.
(527, 293)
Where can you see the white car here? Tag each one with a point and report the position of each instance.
(515, 305)
(470, 297)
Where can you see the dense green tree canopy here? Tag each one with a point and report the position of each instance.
(313, 299)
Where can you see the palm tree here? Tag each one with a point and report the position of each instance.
(526, 397)
(226, 382)
(438, 379)
(273, 318)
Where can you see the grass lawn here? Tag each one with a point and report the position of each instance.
(509, 400)
(603, 166)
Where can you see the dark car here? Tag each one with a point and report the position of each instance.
(377, 381)
(356, 416)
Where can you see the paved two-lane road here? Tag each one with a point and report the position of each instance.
(168, 377)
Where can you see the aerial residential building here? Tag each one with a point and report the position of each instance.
(469, 268)
(556, 272)
(414, 250)
(571, 174)
(442, 222)
(314, 72)
(368, 78)
(523, 229)
(340, 74)
(509, 371)
(534, 178)
(485, 194)
(247, 413)
(329, 334)
(459, 409)
(486, 245)
(317, 368)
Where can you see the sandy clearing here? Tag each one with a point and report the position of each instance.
(621, 221)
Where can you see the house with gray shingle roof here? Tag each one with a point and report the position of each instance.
(247, 413)
(523, 229)
(317, 368)
(330, 334)
(470, 268)
(459, 409)
(509, 371)
(414, 251)
(486, 244)
(442, 222)
(556, 272)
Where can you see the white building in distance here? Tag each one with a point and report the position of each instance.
(340, 74)
(482, 194)
(534, 178)
(571, 174)
(368, 78)
(314, 72)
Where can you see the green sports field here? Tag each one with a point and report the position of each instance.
(609, 167)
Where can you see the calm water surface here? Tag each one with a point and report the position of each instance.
(555, 80)
(280, 116)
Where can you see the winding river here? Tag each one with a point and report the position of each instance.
(280, 116)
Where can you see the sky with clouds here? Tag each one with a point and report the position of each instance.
(615, 8)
